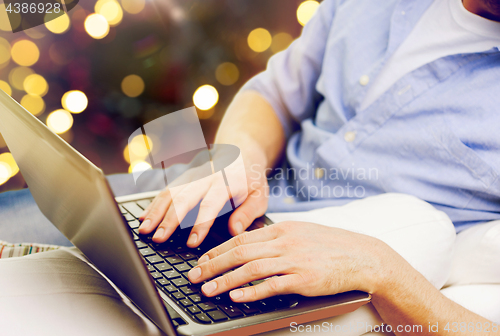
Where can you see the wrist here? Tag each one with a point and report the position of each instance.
(252, 153)
(388, 272)
(396, 277)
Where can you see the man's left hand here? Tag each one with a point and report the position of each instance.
(305, 258)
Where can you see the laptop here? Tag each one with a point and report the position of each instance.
(75, 196)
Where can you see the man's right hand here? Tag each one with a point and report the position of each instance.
(170, 206)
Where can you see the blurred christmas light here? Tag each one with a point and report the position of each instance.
(34, 104)
(96, 26)
(227, 73)
(5, 172)
(18, 75)
(34, 33)
(25, 52)
(6, 87)
(126, 154)
(3, 65)
(35, 85)
(138, 147)
(8, 159)
(60, 121)
(205, 97)
(78, 16)
(281, 41)
(259, 40)
(306, 11)
(98, 5)
(75, 63)
(132, 85)
(138, 166)
(111, 10)
(133, 6)
(4, 51)
(74, 101)
(58, 25)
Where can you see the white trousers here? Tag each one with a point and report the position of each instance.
(57, 293)
(413, 228)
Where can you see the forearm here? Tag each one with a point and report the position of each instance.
(408, 299)
(251, 124)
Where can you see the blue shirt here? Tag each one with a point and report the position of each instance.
(434, 134)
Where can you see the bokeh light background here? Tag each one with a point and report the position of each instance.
(98, 73)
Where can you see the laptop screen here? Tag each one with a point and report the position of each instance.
(74, 195)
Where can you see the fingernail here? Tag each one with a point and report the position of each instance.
(195, 273)
(145, 225)
(236, 294)
(159, 233)
(238, 227)
(203, 259)
(193, 238)
(209, 287)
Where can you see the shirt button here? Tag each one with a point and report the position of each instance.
(364, 80)
(289, 200)
(319, 173)
(350, 136)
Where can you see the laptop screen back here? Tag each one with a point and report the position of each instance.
(74, 195)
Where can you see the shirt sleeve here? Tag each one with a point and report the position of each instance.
(289, 82)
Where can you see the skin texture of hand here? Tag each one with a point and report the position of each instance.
(309, 259)
(170, 206)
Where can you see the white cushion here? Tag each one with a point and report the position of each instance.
(483, 299)
(421, 234)
(477, 256)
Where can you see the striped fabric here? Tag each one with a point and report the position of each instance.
(8, 250)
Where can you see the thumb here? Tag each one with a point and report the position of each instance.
(253, 207)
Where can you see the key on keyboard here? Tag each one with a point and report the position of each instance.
(217, 315)
(154, 259)
(163, 267)
(207, 306)
(144, 203)
(231, 311)
(188, 290)
(146, 252)
(133, 208)
(182, 267)
(178, 295)
(174, 260)
(180, 282)
(140, 244)
(187, 256)
(203, 318)
(171, 274)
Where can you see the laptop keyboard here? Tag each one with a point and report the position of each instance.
(168, 264)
